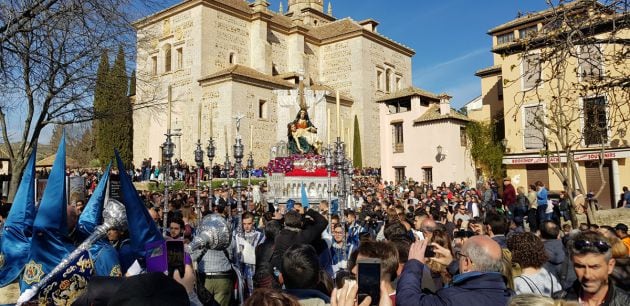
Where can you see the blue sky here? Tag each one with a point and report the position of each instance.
(449, 36)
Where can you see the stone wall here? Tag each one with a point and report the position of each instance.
(609, 217)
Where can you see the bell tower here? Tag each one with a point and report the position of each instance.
(296, 6)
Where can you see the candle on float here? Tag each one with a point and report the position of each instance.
(338, 113)
(199, 122)
(328, 127)
(168, 120)
(251, 137)
(226, 140)
(210, 117)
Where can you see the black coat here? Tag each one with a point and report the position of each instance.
(311, 232)
(614, 296)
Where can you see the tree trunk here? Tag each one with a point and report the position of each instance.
(17, 168)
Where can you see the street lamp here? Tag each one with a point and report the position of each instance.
(440, 156)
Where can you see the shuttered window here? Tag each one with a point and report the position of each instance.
(530, 70)
(533, 136)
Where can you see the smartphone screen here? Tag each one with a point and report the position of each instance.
(175, 255)
(369, 279)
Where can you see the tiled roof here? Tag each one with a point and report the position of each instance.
(407, 92)
(247, 72)
(333, 29)
(488, 70)
(345, 26)
(331, 91)
(238, 4)
(433, 114)
(539, 15)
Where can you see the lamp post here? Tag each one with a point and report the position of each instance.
(211, 151)
(440, 156)
(238, 169)
(167, 153)
(199, 162)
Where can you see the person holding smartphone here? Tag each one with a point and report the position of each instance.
(479, 283)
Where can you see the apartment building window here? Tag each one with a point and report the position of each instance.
(154, 65)
(590, 62)
(595, 121)
(167, 58)
(533, 135)
(530, 70)
(505, 38)
(180, 58)
(528, 31)
(463, 140)
(400, 174)
(397, 136)
(500, 88)
(262, 109)
(427, 174)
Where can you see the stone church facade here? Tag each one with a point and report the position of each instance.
(221, 58)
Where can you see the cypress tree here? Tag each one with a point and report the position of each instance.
(132, 84)
(121, 122)
(356, 154)
(101, 110)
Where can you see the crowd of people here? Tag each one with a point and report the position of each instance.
(434, 245)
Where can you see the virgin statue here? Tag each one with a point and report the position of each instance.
(303, 135)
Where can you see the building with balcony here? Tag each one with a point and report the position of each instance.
(423, 139)
(559, 87)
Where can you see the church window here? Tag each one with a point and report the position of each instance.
(154, 65)
(167, 58)
(262, 109)
(379, 80)
(180, 58)
(388, 80)
(232, 58)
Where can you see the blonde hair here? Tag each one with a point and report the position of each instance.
(619, 249)
(538, 300)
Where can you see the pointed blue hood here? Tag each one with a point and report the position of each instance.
(18, 227)
(142, 228)
(49, 244)
(92, 215)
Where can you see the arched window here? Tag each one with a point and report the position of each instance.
(232, 58)
(167, 57)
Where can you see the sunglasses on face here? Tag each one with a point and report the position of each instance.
(601, 246)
